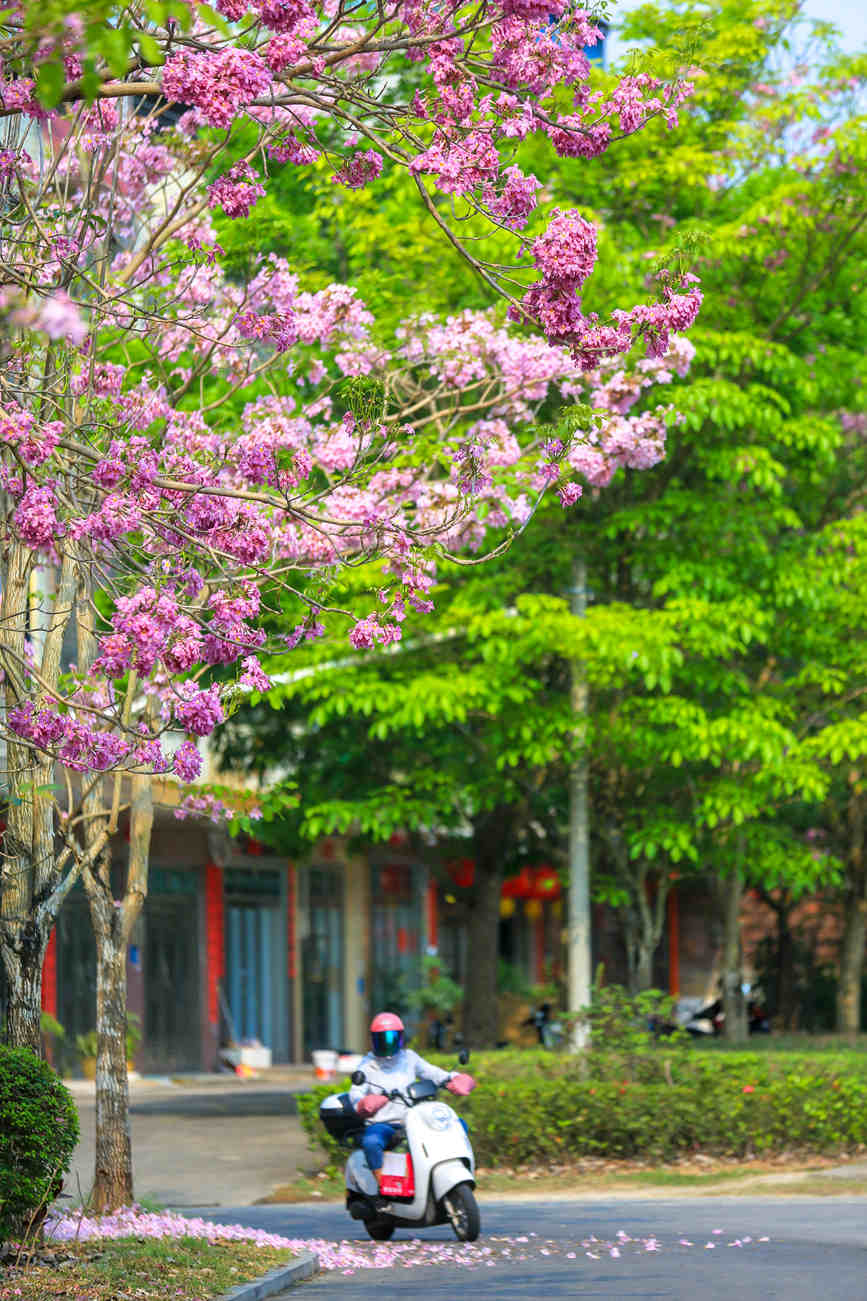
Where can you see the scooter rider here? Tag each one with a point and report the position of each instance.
(389, 1065)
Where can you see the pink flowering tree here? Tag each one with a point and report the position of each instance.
(183, 456)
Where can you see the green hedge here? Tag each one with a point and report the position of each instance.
(535, 1106)
(38, 1134)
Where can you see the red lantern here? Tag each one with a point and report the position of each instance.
(518, 887)
(547, 883)
(463, 872)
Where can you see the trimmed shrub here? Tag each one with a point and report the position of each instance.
(665, 1105)
(38, 1134)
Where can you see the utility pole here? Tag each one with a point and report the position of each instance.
(579, 958)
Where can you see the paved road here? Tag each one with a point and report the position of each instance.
(801, 1249)
(214, 1145)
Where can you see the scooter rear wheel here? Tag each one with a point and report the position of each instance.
(379, 1230)
(462, 1211)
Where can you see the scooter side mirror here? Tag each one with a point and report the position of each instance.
(464, 1056)
(358, 1077)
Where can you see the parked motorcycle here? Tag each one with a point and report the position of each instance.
(428, 1175)
(708, 1021)
(549, 1031)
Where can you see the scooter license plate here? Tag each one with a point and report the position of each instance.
(397, 1179)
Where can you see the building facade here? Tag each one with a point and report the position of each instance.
(235, 944)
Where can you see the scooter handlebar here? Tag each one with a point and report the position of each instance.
(397, 1095)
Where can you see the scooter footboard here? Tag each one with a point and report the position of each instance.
(449, 1173)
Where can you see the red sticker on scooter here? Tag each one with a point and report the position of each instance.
(397, 1178)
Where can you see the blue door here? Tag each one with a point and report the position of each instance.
(255, 944)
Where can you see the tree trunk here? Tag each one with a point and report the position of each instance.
(852, 948)
(32, 888)
(644, 964)
(641, 945)
(24, 1001)
(786, 1005)
(112, 1185)
(851, 968)
(580, 962)
(27, 875)
(644, 923)
(481, 1007)
(734, 1003)
(112, 926)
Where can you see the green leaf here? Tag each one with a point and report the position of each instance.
(50, 81)
(150, 51)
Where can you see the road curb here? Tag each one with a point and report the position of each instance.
(305, 1265)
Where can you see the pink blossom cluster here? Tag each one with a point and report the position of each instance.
(199, 711)
(514, 202)
(540, 58)
(237, 192)
(35, 517)
(218, 84)
(471, 103)
(287, 15)
(77, 743)
(370, 631)
(565, 255)
(60, 318)
(187, 762)
(359, 169)
(32, 441)
(207, 806)
(209, 462)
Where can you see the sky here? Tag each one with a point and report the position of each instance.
(849, 15)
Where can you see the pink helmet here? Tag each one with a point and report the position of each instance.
(386, 1034)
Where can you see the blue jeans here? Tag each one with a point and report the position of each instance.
(379, 1136)
(375, 1139)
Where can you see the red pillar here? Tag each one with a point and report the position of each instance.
(673, 907)
(433, 929)
(49, 987)
(49, 976)
(214, 941)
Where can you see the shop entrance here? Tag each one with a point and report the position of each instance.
(322, 959)
(255, 957)
(171, 986)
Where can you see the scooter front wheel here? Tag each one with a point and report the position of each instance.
(379, 1230)
(462, 1211)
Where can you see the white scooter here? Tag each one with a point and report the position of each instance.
(428, 1180)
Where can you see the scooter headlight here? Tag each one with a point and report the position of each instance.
(438, 1117)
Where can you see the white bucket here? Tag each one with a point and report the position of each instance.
(325, 1064)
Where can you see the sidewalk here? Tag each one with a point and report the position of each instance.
(296, 1078)
(209, 1141)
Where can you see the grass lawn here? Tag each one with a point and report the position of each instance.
(163, 1269)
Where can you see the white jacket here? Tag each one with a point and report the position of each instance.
(394, 1073)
